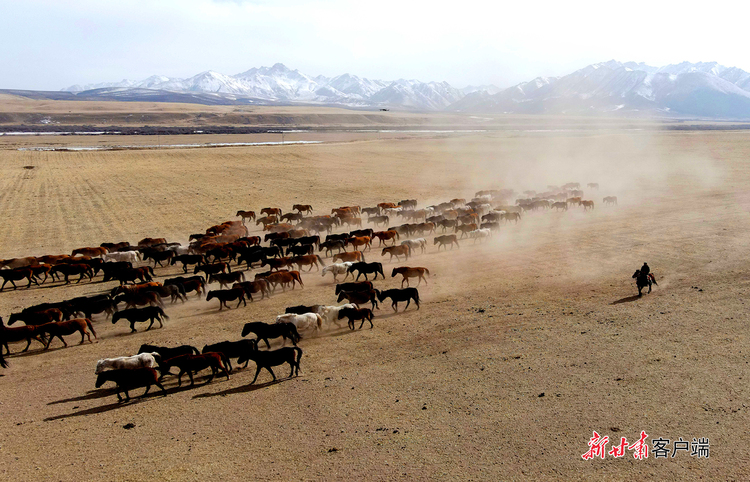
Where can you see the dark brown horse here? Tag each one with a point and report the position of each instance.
(17, 274)
(246, 215)
(303, 208)
(401, 250)
(18, 333)
(227, 295)
(195, 363)
(57, 329)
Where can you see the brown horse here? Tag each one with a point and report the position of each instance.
(148, 242)
(358, 241)
(72, 269)
(351, 221)
(41, 269)
(246, 215)
(448, 239)
(283, 278)
(384, 206)
(401, 250)
(307, 260)
(277, 228)
(303, 208)
(17, 274)
(91, 251)
(271, 211)
(18, 333)
(408, 272)
(466, 228)
(266, 220)
(384, 236)
(131, 274)
(250, 287)
(587, 205)
(349, 256)
(17, 262)
(289, 217)
(60, 328)
(36, 318)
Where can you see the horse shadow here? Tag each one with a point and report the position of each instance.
(90, 395)
(104, 408)
(242, 389)
(627, 299)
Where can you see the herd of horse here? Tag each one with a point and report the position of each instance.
(290, 244)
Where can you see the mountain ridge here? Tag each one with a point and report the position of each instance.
(703, 89)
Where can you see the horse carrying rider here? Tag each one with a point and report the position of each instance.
(644, 278)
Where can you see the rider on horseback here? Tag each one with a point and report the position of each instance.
(644, 278)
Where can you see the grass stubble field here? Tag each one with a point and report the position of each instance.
(523, 346)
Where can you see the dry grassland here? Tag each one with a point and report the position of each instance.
(523, 346)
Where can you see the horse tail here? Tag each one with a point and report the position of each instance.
(320, 321)
(362, 253)
(91, 327)
(427, 271)
(298, 351)
(161, 312)
(320, 260)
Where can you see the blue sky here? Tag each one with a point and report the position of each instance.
(53, 44)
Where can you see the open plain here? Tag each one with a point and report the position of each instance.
(523, 345)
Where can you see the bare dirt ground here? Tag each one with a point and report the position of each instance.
(522, 347)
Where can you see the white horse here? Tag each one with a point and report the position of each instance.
(480, 234)
(337, 269)
(414, 244)
(303, 322)
(143, 360)
(330, 314)
(132, 256)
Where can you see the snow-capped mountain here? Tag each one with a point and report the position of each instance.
(281, 84)
(704, 89)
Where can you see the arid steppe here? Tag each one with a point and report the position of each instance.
(523, 345)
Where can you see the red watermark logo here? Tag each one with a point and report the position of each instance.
(660, 447)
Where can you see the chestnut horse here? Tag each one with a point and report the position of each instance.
(303, 208)
(384, 236)
(307, 260)
(271, 211)
(18, 333)
(408, 272)
(246, 215)
(96, 251)
(466, 228)
(266, 220)
(358, 241)
(284, 278)
(401, 250)
(349, 256)
(57, 329)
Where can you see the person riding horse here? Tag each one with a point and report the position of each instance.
(643, 278)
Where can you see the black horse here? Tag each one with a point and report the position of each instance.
(642, 280)
(264, 331)
(268, 359)
(398, 295)
(140, 315)
(364, 269)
